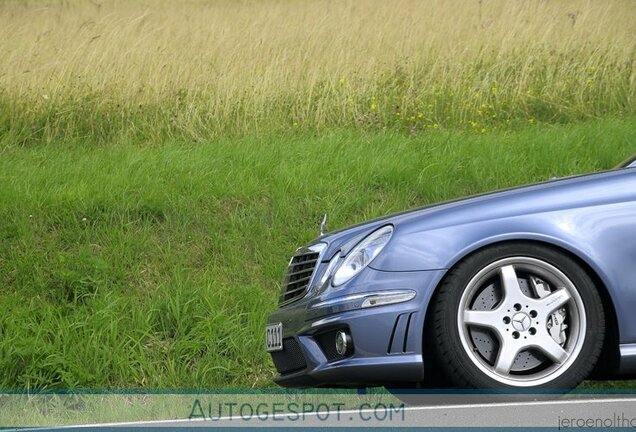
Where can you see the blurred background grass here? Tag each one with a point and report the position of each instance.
(197, 69)
(160, 161)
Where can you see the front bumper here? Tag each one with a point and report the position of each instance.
(387, 340)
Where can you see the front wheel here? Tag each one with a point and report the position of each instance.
(517, 316)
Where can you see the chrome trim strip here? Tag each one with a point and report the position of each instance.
(627, 350)
(627, 362)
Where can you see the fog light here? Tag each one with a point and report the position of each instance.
(343, 343)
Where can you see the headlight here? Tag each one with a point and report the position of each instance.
(362, 255)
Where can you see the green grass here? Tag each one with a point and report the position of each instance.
(139, 265)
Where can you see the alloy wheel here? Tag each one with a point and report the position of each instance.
(521, 321)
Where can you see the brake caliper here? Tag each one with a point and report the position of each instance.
(556, 322)
(556, 326)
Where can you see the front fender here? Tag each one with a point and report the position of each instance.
(601, 236)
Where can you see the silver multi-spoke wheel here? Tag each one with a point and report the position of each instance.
(521, 321)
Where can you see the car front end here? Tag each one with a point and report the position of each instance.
(342, 322)
(535, 270)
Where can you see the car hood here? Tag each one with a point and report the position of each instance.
(547, 196)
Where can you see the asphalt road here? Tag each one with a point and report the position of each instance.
(454, 411)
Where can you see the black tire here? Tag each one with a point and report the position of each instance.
(444, 329)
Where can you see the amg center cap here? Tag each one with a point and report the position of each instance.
(521, 321)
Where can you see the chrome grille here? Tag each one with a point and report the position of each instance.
(300, 272)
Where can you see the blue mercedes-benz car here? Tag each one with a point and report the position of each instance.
(527, 288)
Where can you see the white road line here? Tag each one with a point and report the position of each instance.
(366, 411)
(516, 404)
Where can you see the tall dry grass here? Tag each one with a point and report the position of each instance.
(161, 68)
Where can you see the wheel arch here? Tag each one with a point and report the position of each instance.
(610, 355)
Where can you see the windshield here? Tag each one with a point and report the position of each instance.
(629, 163)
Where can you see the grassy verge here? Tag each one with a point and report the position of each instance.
(128, 265)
